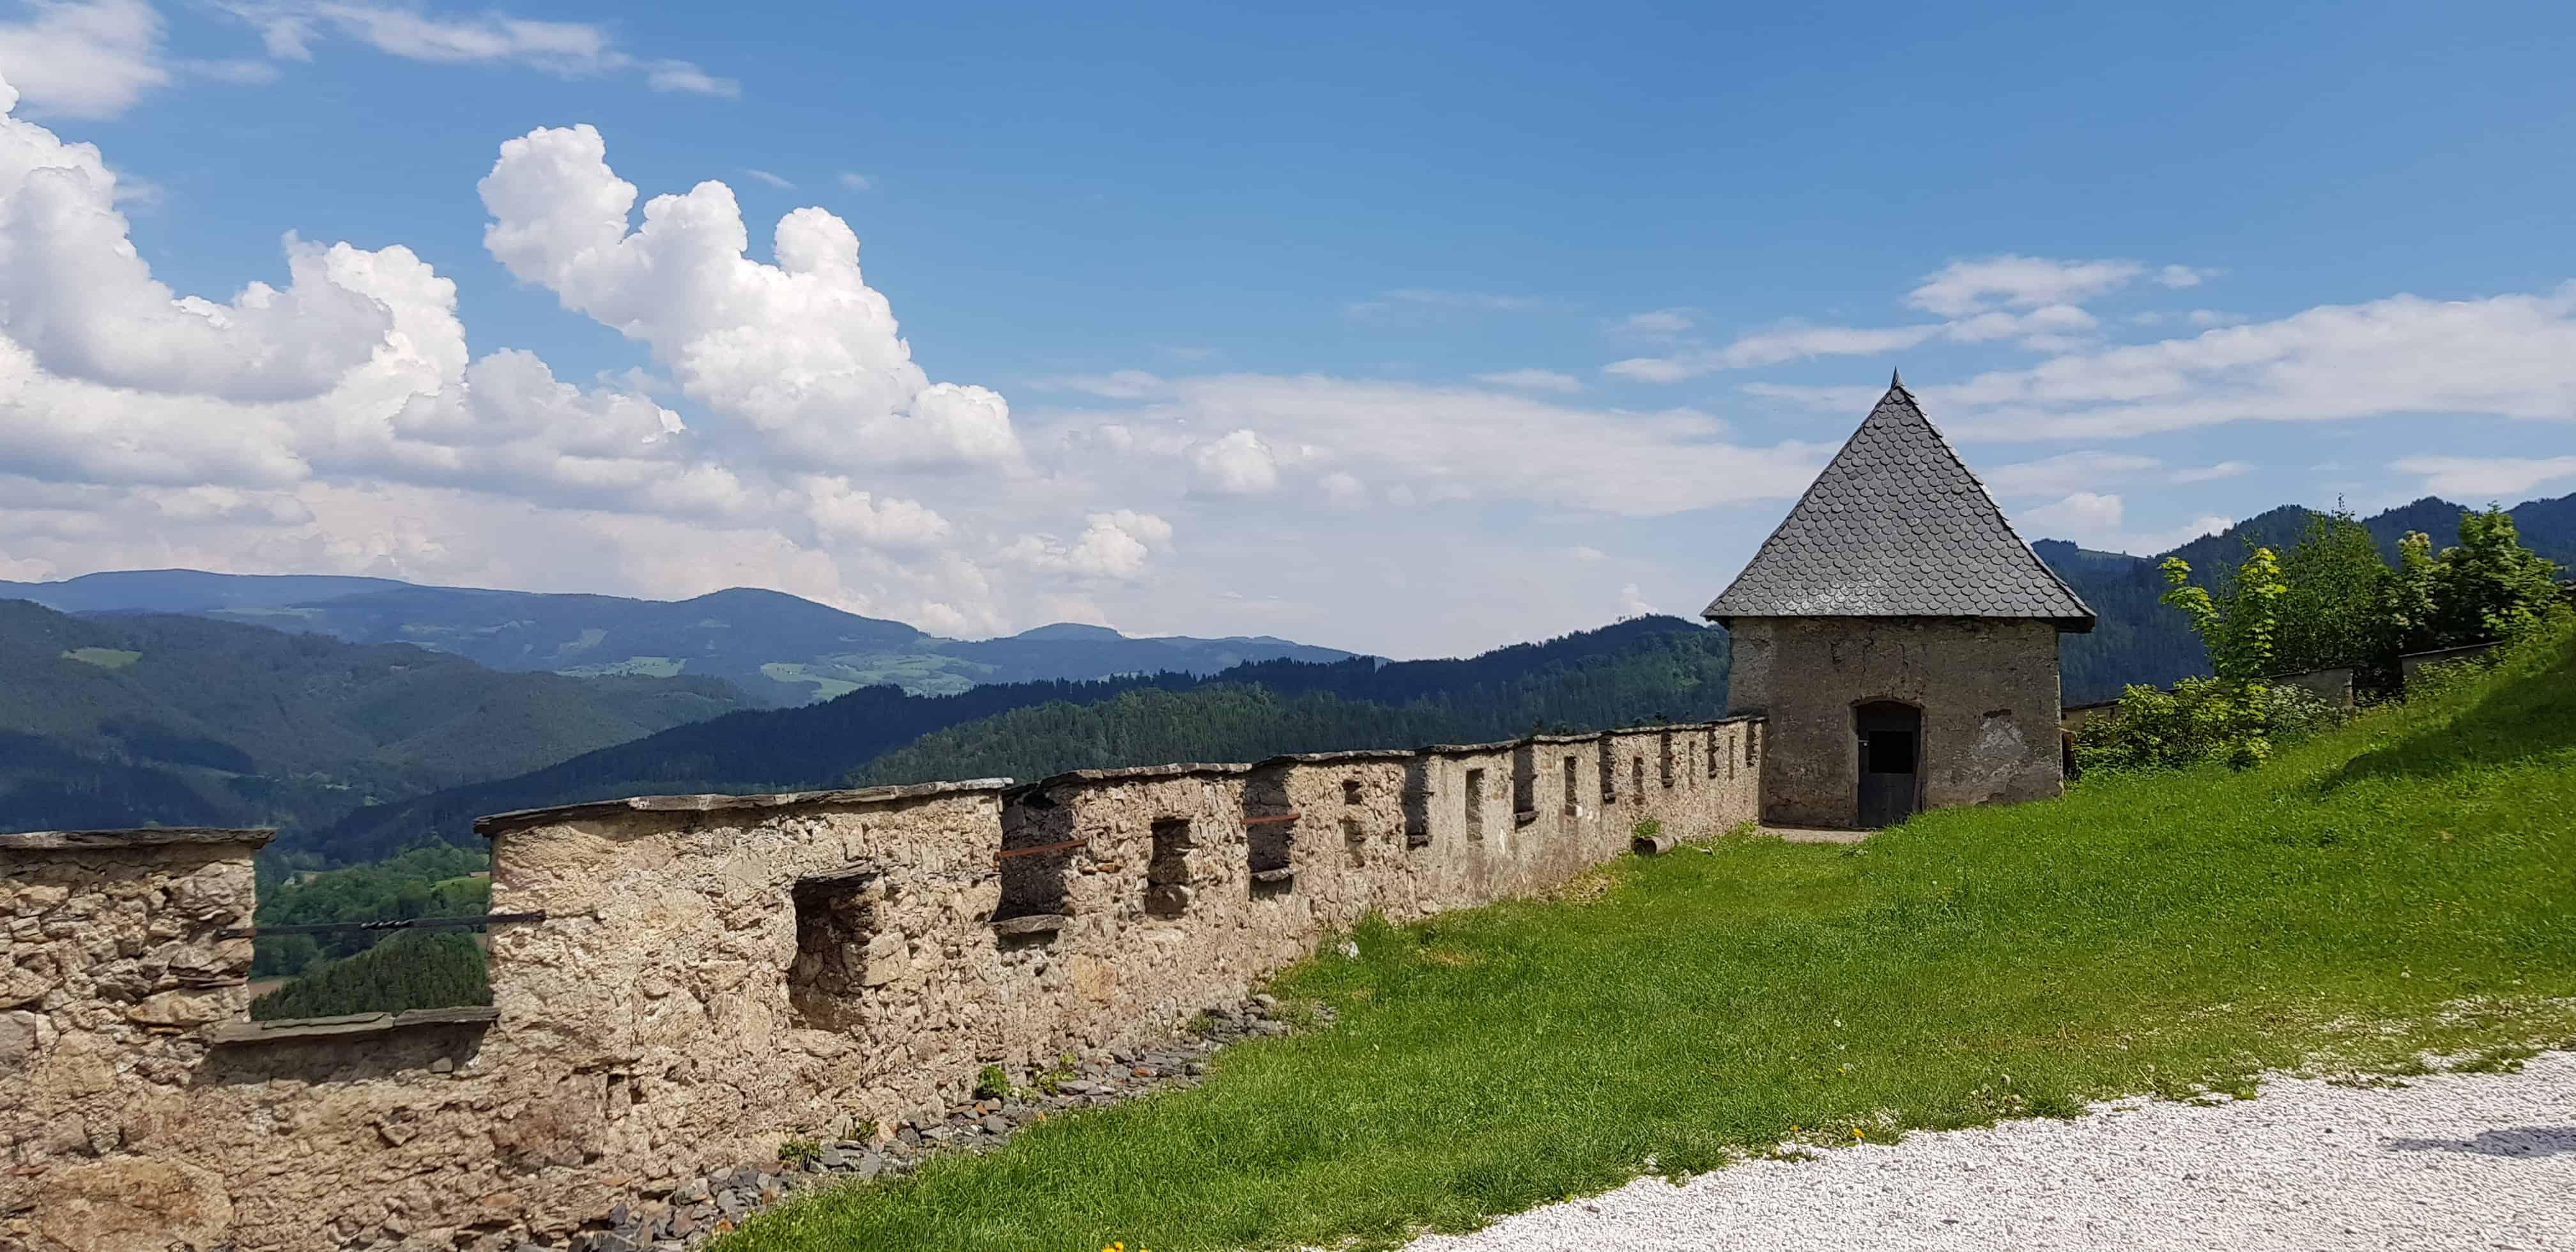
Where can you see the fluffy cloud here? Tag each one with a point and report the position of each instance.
(2479, 479)
(2505, 356)
(803, 351)
(2065, 472)
(1424, 299)
(1116, 385)
(2097, 520)
(339, 422)
(97, 58)
(1963, 288)
(1656, 323)
(1236, 465)
(1415, 443)
(2036, 301)
(2213, 473)
(1533, 380)
(2508, 356)
(841, 511)
(91, 59)
(1114, 545)
(84, 305)
(2048, 326)
(570, 49)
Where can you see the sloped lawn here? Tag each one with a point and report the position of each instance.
(2407, 883)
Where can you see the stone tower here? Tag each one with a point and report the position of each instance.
(1900, 637)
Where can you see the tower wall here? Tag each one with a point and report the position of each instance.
(1987, 689)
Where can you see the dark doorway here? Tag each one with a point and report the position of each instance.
(1891, 757)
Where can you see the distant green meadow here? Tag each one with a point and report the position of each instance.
(2402, 888)
(104, 658)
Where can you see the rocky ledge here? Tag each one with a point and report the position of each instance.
(700, 1209)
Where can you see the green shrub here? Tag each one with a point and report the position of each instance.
(992, 1084)
(2199, 721)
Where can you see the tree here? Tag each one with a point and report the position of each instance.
(2242, 636)
(2490, 587)
(2334, 610)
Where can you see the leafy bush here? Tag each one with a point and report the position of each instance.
(2197, 722)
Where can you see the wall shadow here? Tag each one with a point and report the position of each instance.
(2517, 1141)
(2535, 717)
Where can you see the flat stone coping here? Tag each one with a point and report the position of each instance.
(522, 819)
(1617, 731)
(1348, 755)
(286, 1028)
(142, 837)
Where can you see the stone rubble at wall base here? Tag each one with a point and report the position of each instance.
(696, 1211)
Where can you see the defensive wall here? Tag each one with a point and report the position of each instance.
(698, 978)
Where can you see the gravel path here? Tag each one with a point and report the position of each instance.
(2450, 1161)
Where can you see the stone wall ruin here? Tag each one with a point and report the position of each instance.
(716, 974)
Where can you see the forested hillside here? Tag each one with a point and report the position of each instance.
(1656, 673)
(1632, 671)
(777, 648)
(2140, 640)
(129, 720)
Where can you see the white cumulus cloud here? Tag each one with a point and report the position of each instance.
(1237, 465)
(803, 351)
(1114, 545)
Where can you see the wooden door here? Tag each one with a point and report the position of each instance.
(1891, 762)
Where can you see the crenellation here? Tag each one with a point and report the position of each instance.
(715, 974)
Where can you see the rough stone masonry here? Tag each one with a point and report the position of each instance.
(716, 974)
(1899, 637)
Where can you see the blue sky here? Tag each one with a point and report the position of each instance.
(1415, 333)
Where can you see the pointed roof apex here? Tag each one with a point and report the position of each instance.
(1897, 526)
(1895, 380)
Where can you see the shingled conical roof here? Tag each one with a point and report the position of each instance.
(1896, 526)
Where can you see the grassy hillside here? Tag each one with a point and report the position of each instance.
(124, 720)
(2401, 885)
(1639, 670)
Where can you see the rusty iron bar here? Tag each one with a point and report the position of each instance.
(1007, 853)
(410, 923)
(1272, 820)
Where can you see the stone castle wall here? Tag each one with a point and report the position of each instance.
(716, 974)
(1987, 689)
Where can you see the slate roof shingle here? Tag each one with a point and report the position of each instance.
(1898, 526)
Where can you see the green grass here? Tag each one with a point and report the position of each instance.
(104, 658)
(2404, 885)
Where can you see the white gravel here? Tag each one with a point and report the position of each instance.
(2450, 1161)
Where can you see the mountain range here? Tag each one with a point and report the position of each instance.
(135, 719)
(386, 714)
(1630, 671)
(776, 648)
